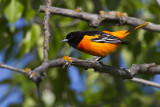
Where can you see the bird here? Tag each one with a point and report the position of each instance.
(99, 43)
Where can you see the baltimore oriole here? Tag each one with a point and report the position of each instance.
(98, 43)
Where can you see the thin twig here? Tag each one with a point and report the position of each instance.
(95, 20)
(13, 68)
(146, 82)
(158, 3)
(46, 28)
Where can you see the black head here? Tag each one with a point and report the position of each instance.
(74, 38)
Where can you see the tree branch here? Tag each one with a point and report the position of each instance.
(95, 20)
(36, 74)
(100, 67)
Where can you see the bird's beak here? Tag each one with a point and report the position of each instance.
(64, 40)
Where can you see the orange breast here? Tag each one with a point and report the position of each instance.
(95, 48)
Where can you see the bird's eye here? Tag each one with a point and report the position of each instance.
(71, 37)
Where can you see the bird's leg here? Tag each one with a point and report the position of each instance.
(98, 59)
(95, 58)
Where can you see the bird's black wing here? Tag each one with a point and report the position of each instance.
(107, 38)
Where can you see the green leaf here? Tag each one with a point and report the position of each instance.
(14, 11)
(30, 39)
(40, 47)
(30, 14)
(28, 10)
(5, 40)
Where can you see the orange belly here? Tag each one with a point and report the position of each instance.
(95, 48)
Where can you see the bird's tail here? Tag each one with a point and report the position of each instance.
(137, 27)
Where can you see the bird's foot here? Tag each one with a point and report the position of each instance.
(96, 60)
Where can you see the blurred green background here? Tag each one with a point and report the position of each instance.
(21, 45)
